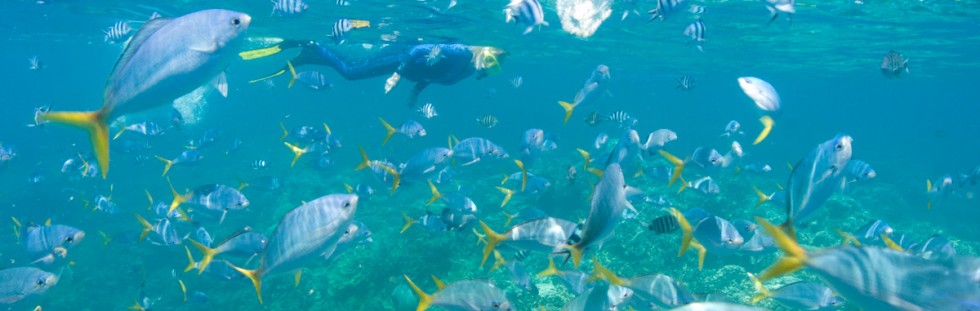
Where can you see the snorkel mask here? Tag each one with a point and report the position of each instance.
(487, 61)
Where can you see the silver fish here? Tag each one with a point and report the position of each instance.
(606, 212)
(164, 60)
(304, 233)
(19, 283)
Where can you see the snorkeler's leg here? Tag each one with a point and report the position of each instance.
(413, 99)
(383, 63)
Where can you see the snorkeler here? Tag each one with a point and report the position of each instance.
(423, 64)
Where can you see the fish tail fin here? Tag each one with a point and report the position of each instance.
(480, 238)
(284, 131)
(505, 179)
(493, 239)
(763, 292)
(596, 172)
(297, 152)
(569, 107)
(190, 258)
(793, 259)
(847, 238)
(600, 272)
(278, 73)
(575, 251)
(366, 161)
(259, 53)
(242, 184)
(396, 178)
(678, 166)
(207, 252)
(685, 228)
(358, 23)
(891, 244)
(507, 195)
(292, 74)
(439, 283)
(166, 165)
(498, 261)
(585, 158)
(178, 198)
(254, 275)
(95, 123)
(683, 185)
(147, 227)
(520, 165)
(702, 251)
(435, 193)
(551, 270)
(390, 131)
(349, 188)
(105, 238)
(408, 223)
(297, 277)
(763, 197)
(425, 300)
(767, 124)
(510, 218)
(183, 288)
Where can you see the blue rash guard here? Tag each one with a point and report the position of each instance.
(410, 62)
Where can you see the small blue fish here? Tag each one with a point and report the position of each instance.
(188, 157)
(410, 128)
(474, 149)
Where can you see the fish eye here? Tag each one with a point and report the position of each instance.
(840, 146)
(236, 21)
(40, 282)
(70, 239)
(346, 204)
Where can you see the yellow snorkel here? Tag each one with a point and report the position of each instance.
(486, 60)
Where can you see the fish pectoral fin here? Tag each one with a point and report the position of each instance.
(220, 83)
(205, 47)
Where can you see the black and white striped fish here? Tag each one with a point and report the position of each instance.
(118, 32)
(663, 224)
(343, 2)
(288, 7)
(695, 31)
(685, 83)
(527, 12)
(342, 26)
(487, 121)
(259, 164)
(620, 117)
(664, 9)
(428, 111)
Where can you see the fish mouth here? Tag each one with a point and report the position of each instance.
(245, 20)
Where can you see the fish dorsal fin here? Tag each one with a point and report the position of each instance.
(146, 31)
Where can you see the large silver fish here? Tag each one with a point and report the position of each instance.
(23, 282)
(308, 231)
(47, 243)
(546, 234)
(606, 212)
(873, 278)
(164, 60)
(815, 178)
(463, 295)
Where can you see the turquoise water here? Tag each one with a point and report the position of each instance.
(824, 65)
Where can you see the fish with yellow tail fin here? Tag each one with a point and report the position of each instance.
(605, 213)
(382, 169)
(767, 124)
(435, 193)
(815, 178)
(594, 86)
(303, 234)
(165, 59)
(901, 280)
(520, 165)
(410, 128)
(188, 157)
(462, 295)
(802, 295)
(545, 234)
